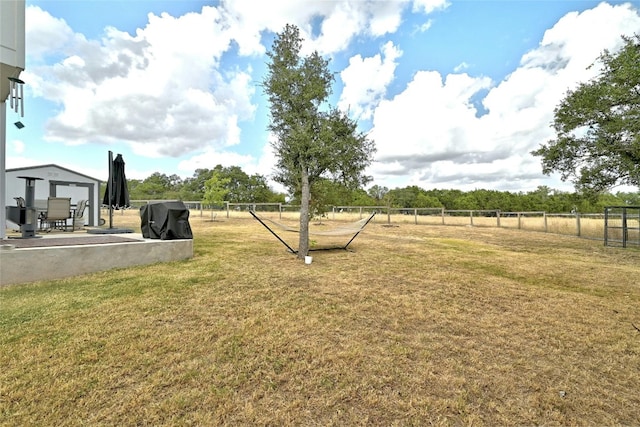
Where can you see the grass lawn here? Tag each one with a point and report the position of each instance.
(416, 325)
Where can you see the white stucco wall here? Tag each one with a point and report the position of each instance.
(12, 42)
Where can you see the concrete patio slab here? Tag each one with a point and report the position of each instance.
(63, 255)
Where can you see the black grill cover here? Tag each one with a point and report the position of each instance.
(165, 221)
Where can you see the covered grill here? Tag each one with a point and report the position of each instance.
(165, 221)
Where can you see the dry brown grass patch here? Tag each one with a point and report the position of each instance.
(418, 325)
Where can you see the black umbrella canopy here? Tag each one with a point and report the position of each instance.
(117, 186)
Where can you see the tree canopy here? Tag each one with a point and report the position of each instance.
(211, 186)
(313, 141)
(597, 125)
(235, 185)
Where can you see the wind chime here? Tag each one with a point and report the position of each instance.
(16, 98)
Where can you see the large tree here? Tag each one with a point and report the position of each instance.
(312, 139)
(597, 125)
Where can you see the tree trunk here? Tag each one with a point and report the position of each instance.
(303, 245)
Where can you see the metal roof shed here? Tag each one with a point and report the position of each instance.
(56, 181)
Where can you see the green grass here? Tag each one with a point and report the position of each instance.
(418, 325)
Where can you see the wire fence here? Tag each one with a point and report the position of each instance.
(622, 226)
(617, 226)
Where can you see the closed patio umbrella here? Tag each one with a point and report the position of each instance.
(117, 193)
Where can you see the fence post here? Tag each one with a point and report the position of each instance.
(442, 215)
(471, 217)
(625, 230)
(415, 215)
(498, 217)
(546, 226)
(227, 205)
(606, 225)
(388, 215)
(519, 220)
(578, 223)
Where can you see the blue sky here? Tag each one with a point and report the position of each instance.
(455, 93)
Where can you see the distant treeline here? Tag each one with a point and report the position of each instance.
(240, 187)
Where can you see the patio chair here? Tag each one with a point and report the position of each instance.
(58, 211)
(78, 215)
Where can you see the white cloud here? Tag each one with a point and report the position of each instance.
(461, 67)
(431, 120)
(163, 90)
(434, 134)
(425, 26)
(343, 21)
(366, 80)
(338, 22)
(46, 34)
(158, 91)
(578, 38)
(428, 6)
